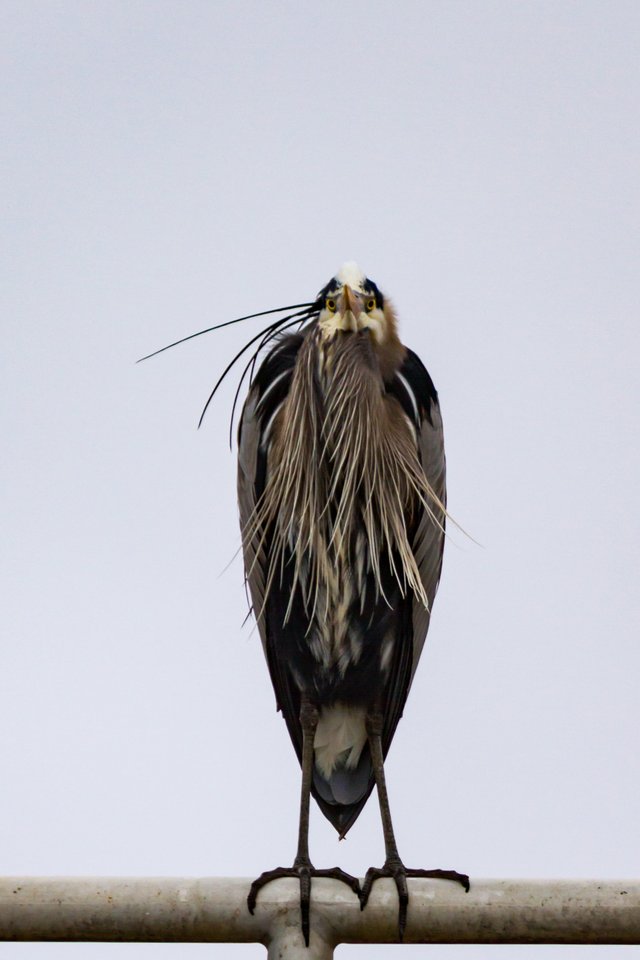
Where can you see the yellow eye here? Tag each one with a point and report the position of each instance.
(331, 304)
(371, 304)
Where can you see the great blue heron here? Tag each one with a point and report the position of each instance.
(341, 488)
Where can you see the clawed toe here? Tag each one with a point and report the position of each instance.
(397, 872)
(461, 878)
(265, 878)
(335, 873)
(304, 871)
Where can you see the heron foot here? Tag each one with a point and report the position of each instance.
(304, 871)
(396, 871)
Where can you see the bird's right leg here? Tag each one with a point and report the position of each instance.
(302, 866)
(393, 866)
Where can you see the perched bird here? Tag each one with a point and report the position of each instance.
(341, 487)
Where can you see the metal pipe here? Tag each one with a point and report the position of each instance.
(214, 911)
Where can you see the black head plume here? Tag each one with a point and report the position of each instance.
(227, 323)
(295, 314)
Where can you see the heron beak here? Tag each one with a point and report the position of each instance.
(350, 307)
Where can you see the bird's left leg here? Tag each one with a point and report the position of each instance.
(393, 866)
(302, 866)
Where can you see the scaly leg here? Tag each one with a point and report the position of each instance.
(393, 866)
(302, 866)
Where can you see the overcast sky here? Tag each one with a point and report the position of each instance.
(172, 165)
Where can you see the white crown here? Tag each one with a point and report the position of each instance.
(351, 274)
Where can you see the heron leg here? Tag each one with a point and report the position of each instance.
(302, 867)
(393, 866)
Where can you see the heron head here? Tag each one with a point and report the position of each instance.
(352, 303)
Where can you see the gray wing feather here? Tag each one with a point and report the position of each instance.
(248, 447)
(428, 541)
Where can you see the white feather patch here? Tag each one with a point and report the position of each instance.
(351, 274)
(411, 395)
(340, 738)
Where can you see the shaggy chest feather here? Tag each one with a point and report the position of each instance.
(344, 480)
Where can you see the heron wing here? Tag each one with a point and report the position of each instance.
(268, 392)
(248, 456)
(428, 540)
(414, 389)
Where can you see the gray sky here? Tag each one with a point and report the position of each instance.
(173, 165)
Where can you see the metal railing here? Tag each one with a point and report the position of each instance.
(215, 911)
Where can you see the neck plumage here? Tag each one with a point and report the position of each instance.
(344, 477)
